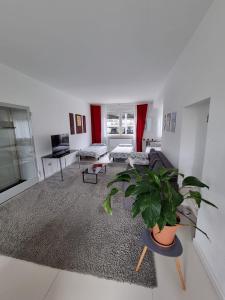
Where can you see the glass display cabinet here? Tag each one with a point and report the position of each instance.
(18, 168)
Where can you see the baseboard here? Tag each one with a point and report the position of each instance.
(14, 191)
(209, 271)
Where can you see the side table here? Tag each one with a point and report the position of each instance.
(174, 251)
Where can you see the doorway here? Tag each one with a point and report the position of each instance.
(193, 141)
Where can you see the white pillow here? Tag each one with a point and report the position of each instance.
(139, 155)
(155, 144)
(125, 145)
(143, 162)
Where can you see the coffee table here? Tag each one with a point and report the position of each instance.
(93, 171)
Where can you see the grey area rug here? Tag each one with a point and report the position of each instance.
(63, 225)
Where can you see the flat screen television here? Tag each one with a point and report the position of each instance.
(60, 143)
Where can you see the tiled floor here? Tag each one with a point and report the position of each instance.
(20, 280)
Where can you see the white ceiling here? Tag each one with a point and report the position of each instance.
(98, 50)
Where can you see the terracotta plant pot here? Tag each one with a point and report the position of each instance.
(166, 236)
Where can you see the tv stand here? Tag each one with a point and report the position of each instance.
(58, 156)
(61, 153)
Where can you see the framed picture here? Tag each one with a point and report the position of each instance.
(168, 121)
(164, 122)
(78, 119)
(173, 122)
(84, 124)
(72, 125)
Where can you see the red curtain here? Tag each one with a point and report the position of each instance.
(141, 117)
(96, 123)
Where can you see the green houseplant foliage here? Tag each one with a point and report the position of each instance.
(155, 197)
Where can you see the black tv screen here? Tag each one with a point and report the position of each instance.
(60, 143)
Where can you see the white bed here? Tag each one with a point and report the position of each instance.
(94, 150)
(122, 151)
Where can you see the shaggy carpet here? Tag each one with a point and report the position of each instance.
(63, 225)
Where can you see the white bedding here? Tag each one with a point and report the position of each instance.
(94, 150)
(139, 158)
(122, 151)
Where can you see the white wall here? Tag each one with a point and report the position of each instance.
(154, 115)
(201, 114)
(49, 108)
(199, 74)
(193, 138)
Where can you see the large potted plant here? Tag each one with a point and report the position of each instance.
(157, 199)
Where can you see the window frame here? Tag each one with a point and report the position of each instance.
(120, 114)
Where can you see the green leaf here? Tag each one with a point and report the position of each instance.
(177, 198)
(171, 201)
(121, 178)
(107, 201)
(165, 171)
(149, 217)
(151, 213)
(169, 172)
(198, 199)
(139, 204)
(196, 196)
(135, 210)
(107, 205)
(143, 187)
(193, 181)
(197, 228)
(209, 203)
(133, 173)
(161, 222)
(114, 191)
(130, 190)
(157, 180)
(171, 218)
(127, 172)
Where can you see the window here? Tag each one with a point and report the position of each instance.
(113, 123)
(128, 123)
(120, 123)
